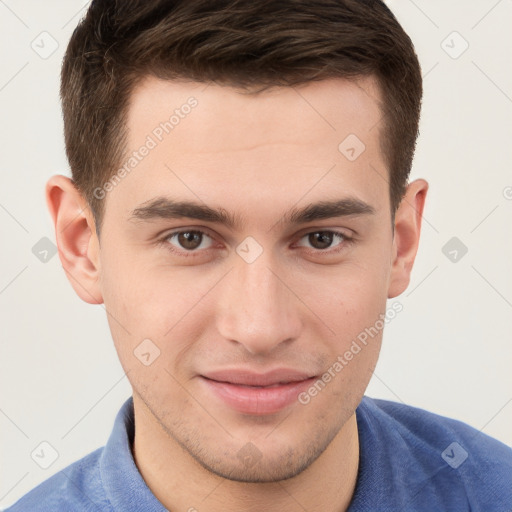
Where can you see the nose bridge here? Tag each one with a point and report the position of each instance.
(257, 309)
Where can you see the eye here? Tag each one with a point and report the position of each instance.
(189, 241)
(321, 240)
(193, 242)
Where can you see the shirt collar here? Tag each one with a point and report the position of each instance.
(123, 484)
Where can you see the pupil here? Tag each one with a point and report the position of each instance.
(320, 239)
(190, 239)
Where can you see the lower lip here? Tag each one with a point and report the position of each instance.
(255, 400)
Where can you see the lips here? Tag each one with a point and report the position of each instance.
(257, 393)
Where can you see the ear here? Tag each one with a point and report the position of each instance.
(406, 236)
(76, 237)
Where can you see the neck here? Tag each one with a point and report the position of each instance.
(179, 482)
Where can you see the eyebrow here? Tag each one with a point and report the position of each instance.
(167, 208)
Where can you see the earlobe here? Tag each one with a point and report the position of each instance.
(407, 236)
(76, 237)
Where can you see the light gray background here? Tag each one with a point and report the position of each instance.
(448, 351)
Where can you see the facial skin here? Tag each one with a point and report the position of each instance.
(297, 306)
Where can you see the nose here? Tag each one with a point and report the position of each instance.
(257, 307)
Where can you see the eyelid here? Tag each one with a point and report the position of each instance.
(345, 232)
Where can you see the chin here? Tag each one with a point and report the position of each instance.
(259, 473)
(272, 464)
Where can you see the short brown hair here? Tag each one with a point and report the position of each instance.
(242, 43)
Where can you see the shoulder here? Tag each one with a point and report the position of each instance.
(452, 457)
(430, 428)
(77, 487)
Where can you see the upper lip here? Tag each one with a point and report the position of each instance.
(252, 378)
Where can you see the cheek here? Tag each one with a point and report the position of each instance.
(350, 298)
(355, 314)
(157, 304)
(145, 295)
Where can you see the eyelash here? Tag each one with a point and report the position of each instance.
(164, 241)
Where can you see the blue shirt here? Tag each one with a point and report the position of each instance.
(410, 460)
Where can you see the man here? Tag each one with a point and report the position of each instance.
(240, 204)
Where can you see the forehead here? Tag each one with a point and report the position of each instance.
(233, 149)
(232, 118)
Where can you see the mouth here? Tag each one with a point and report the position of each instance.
(254, 393)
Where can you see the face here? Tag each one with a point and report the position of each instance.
(249, 249)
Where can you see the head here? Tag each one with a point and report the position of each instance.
(237, 202)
